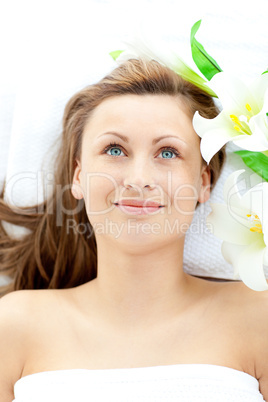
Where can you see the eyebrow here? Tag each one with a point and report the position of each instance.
(155, 141)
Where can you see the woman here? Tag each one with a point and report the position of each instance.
(119, 319)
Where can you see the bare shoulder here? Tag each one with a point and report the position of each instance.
(248, 306)
(257, 306)
(28, 309)
(23, 305)
(16, 315)
(20, 313)
(250, 311)
(13, 327)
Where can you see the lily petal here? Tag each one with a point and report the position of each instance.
(259, 127)
(228, 227)
(243, 119)
(259, 87)
(259, 198)
(203, 125)
(231, 192)
(256, 201)
(249, 263)
(265, 101)
(230, 251)
(215, 133)
(265, 231)
(258, 140)
(233, 94)
(243, 225)
(265, 258)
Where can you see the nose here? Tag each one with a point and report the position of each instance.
(139, 175)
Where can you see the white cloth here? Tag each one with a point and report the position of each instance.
(182, 382)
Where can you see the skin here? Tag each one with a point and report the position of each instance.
(142, 309)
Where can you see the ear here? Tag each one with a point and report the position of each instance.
(205, 184)
(76, 185)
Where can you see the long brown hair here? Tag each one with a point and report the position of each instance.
(50, 256)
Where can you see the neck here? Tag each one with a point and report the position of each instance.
(138, 284)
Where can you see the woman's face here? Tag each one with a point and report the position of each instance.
(140, 171)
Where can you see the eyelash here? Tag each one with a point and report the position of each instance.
(115, 145)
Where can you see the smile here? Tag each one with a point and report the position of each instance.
(138, 207)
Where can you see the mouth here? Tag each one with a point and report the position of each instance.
(138, 207)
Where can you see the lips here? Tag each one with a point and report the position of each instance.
(139, 203)
(138, 207)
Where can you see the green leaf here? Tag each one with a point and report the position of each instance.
(265, 72)
(205, 63)
(115, 54)
(256, 161)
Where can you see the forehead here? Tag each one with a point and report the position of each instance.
(142, 116)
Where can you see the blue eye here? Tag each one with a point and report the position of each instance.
(167, 153)
(115, 150)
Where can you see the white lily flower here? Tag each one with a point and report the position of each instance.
(143, 47)
(242, 224)
(242, 120)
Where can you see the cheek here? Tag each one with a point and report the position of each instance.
(97, 189)
(185, 190)
(184, 203)
(184, 196)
